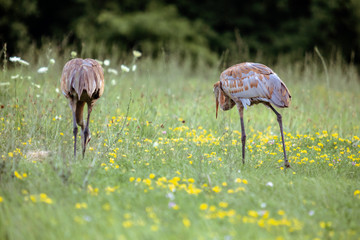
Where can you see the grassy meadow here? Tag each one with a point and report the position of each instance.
(161, 166)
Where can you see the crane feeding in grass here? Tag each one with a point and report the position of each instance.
(246, 84)
(82, 81)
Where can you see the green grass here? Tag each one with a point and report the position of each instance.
(160, 166)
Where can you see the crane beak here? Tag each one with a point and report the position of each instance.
(217, 107)
(85, 139)
(83, 151)
(216, 93)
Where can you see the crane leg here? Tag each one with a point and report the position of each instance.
(77, 107)
(87, 136)
(75, 131)
(279, 119)
(243, 135)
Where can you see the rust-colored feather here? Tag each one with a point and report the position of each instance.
(247, 83)
(225, 102)
(251, 83)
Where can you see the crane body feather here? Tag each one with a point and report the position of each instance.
(252, 83)
(82, 79)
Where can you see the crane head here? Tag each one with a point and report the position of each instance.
(85, 139)
(217, 95)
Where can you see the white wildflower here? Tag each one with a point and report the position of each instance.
(170, 196)
(113, 71)
(106, 62)
(52, 61)
(171, 204)
(35, 85)
(19, 60)
(73, 54)
(270, 184)
(15, 76)
(113, 82)
(261, 212)
(42, 70)
(4, 83)
(57, 90)
(125, 68)
(87, 218)
(263, 205)
(37, 95)
(228, 237)
(133, 68)
(14, 59)
(137, 54)
(23, 62)
(156, 144)
(311, 212)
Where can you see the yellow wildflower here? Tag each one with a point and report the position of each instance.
(154, 228)
(110, 189)
(212, 208)
(230, 191)
(106, 207)
(216, 189)
(127, 224)
(281, 212)
(18, 175)
(223, 204)
(252, 213)
(231, 213)
(203, 206)
(357, 193)
(186, 222)
(44, 198)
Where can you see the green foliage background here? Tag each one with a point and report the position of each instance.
(201, 28)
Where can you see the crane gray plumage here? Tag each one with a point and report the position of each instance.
(82, 81)
(246, 84)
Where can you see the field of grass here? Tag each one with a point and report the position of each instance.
(160, 166)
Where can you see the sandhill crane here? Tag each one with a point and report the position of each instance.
(82, 81)
(246, 84)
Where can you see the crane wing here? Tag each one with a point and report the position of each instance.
(82, 74)
(253, 83)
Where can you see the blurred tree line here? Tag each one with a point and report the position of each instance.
(201, 28)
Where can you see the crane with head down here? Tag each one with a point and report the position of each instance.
(249, 83)
(82, 81)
